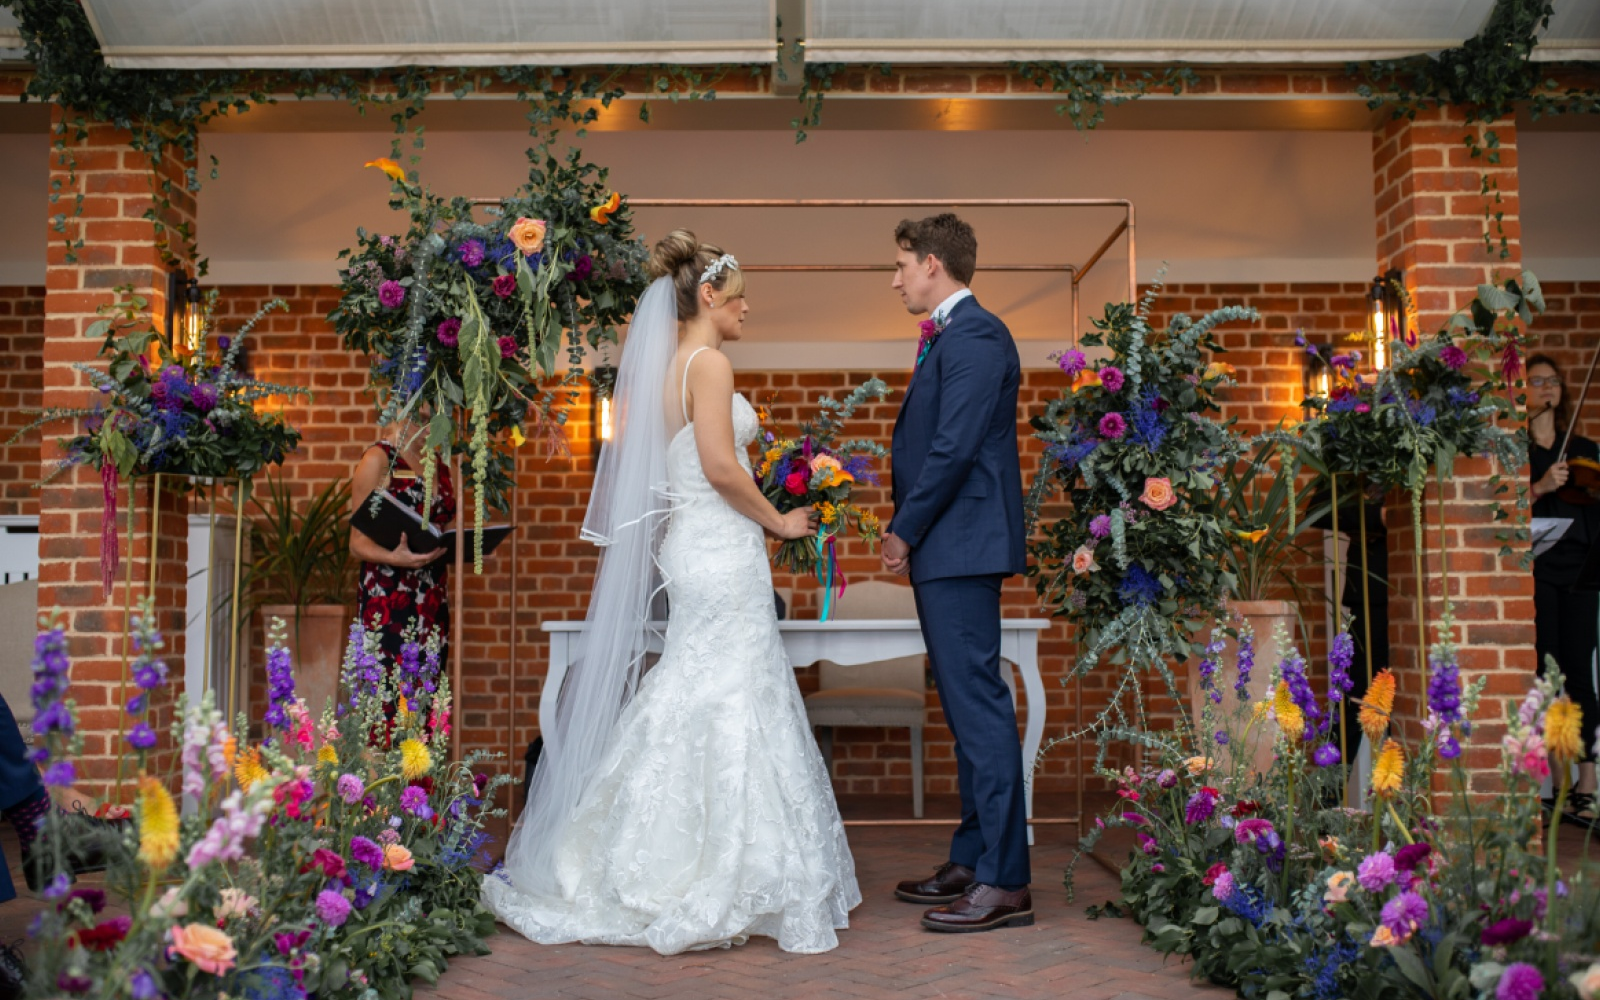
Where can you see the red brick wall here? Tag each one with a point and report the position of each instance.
(1569, 331)
(21, 379)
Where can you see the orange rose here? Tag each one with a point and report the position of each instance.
(396, 858)
(1158, 493)
(528, 235)
(209, 949)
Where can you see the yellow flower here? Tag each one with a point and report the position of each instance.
(602, 212)
(328, 756)
(517, 437)
(1290, 719)
(248, 769)
(403, 711)
(1377, 705)
(1563, 730)
(158, 824)
(389, 167)
(1258, 710)
(1218, 369)
(828, 513)
(1388, 769)
(1252, 536)
(1085, 379)
(415, 760)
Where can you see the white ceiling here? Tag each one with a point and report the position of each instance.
(355, 33)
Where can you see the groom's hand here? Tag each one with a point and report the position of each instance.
(896, 555)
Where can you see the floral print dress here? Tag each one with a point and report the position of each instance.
(391, 598)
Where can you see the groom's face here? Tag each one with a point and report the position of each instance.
(914, 279)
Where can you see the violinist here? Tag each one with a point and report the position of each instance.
(1565, 616)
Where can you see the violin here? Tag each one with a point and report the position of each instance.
(1583, 482)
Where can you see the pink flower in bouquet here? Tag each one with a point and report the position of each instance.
(1158, 494)
(397, 858)
(1072, 362)
(333, 907)
(1112, 426)
(1215, 872)
(1222, 888)
(504, 285)
(1111, 378)
(1453, 357)
(796, 484)
(1148, 844)
(209, 949)
(391, 294)
(1083, 560)
(1528, 756)
(508, 347)
(449, 332)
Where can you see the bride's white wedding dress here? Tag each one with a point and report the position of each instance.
(710, 818)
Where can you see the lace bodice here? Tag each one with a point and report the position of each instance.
(684, 472)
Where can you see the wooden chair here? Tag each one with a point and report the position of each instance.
(888, 694)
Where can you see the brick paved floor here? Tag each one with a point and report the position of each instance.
(885, 953)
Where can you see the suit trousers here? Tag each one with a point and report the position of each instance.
(19, 781)
(960, 619)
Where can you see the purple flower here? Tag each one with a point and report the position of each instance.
(504, 285)
(508, 347)
(141, 737)
(391, 294)
(1100, 525)
(224, 342)
(1166, 779)
(1201, 806)
(1404, 914)
(204, 397)
(1453, 357)
(1222, 737)
(350, 788)
(1520, 981)
(332, 907)
(66, 982)
(414, 799)
(1252, 831)
(1326, 755)
(1111, 378)
(1246, 663)
(1112, 426)
(143, 985)
(1444, 685)
(1149, 845)
(470, 253)
(581, 269)
(61, 774)
(1072, 362)
(1508, 931)
(1134, 819)
(280, 686)
(1376, 872)
(449, 332)
(1341, 654)
(1222, 888)
(1293, 671)
(366, 852)
(1410, 856)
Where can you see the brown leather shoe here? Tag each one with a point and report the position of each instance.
(982, 908)
(946, 885)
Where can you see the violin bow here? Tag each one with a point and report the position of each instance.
(1561, 456)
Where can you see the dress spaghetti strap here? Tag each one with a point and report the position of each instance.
(683, 390)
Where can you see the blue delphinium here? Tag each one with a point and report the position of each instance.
(1139, 587)
(1148, 427)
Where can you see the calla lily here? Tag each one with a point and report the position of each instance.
(389, 167)
(1085, 379)
(602, 212)
(517, 439)
(1252, 536)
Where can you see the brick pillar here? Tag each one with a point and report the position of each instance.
(1431, 224)
(120, 248)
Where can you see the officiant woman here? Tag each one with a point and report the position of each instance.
(402, 591)
(1565, 608)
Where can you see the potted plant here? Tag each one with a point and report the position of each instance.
(301, 571)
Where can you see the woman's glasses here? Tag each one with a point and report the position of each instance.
(1545, 381)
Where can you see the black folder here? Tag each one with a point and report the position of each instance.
(383, 518)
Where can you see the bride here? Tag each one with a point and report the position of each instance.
(680, 804)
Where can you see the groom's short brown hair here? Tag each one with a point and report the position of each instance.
(945, 237)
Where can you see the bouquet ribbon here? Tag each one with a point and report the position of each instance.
(827, 569)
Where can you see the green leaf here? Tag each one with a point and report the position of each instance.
(1205, 916)
(1496, 298)
(1412, 968)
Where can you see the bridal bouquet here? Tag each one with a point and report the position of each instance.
(812, 471)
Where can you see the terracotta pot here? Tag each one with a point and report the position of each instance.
(1265, 617)
(318, 650)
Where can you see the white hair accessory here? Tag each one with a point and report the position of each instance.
(717, 266)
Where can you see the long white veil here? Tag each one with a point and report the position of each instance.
(626, 518)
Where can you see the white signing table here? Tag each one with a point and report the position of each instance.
(851, 642)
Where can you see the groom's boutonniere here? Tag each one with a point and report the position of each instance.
(931, 328)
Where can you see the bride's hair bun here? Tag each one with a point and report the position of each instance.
(671, 252)
(681, 256)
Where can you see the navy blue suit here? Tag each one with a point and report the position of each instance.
(957, 490)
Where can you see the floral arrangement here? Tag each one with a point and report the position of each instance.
(1135, 449)
(812, 470)
(1272, 885)
(338, 857)
(1439, 398)
(464, 318)
(189, 413)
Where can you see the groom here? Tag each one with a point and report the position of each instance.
(958, 532)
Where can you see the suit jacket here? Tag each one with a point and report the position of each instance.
(957, 485)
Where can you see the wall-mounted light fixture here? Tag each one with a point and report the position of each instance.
(184, 314)
(1386, 316)
(1316, 374)
(601, 385)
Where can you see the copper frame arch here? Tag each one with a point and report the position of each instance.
(1077, 271)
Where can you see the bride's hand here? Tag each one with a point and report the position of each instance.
(799, 523)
